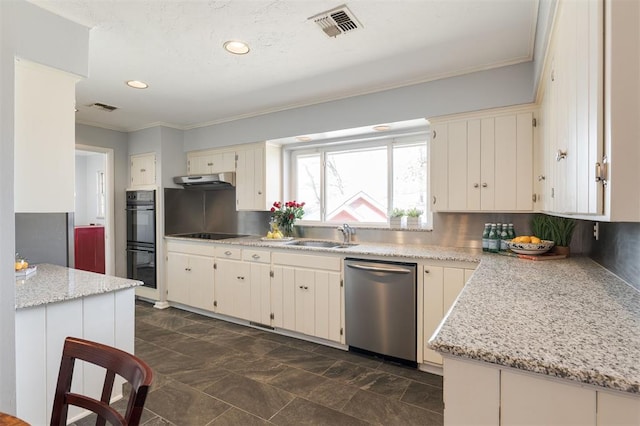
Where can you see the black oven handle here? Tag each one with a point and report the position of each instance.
(140, 251)
(138, 209)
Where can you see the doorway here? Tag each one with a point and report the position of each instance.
(94, 190)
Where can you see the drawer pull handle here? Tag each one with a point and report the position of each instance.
(227, 253)
(240, 278)
(256, 256)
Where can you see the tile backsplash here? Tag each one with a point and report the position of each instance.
(618, 250)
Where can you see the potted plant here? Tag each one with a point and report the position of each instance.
(396, 218)
(557, 229)
(413, 218)
(284, 215)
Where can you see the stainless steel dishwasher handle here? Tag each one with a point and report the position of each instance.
(378, 269)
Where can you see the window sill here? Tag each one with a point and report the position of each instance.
(385, 227)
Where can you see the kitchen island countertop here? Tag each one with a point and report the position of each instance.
(53, 283)
(570, 318)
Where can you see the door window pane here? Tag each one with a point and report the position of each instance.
(308, 184)
(356, 185)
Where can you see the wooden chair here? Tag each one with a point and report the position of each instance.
(115, 361)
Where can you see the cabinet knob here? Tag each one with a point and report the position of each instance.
(227, 253)
(209, 164)
(259, 192)
(426, 271)
(484, 184)
(255, 256)
(541, 178)
(306, 288)
(561, 155)
(475, 185)
(143, 170)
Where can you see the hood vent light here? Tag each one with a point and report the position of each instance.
(336, 21)
(104, 107)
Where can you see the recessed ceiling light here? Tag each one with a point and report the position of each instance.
(382, 128)
(236, 47)
(303, 138)
(136, 84)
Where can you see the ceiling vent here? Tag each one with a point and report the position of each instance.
(104, 107)
(336, 21)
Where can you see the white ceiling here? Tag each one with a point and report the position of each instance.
(176, 47)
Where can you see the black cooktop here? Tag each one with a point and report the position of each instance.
(209, 236)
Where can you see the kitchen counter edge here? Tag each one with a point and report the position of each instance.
(53, 283)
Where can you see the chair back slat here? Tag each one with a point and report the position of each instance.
(116, 362)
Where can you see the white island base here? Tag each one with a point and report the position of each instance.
(106, 316)
(480, 393)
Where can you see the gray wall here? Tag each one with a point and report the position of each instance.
(31, 33)
(117, 141)
(511, 85)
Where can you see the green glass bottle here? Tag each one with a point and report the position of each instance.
(494, 241)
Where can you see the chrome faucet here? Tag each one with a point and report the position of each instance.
(347, 232)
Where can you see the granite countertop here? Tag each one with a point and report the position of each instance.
(359, 249)
(52, 283)
(569, 318)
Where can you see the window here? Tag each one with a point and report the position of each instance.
(361, 182)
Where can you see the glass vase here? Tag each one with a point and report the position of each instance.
(287, 229)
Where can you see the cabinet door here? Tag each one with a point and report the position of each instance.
(233, 288)
(178, 278)
(260, 293)
(442, 285)
(474, 175)
(305, 301)
(327, 301)
(245, 180)
(225, 282)
(574, 109)
(283, 298)
(457, 165)
(542, 401)
(202, 289)
(143, 170)
(439, 175)
(471, 394)
(213, 162)
(433, 307)
(618, 409)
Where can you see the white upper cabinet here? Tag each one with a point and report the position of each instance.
(483, 161)
(590, 106)
(572, 112)
(258, 176)
(143, 169)
(44, 139)
(210, 161)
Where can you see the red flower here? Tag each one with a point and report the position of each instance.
(291, 216)
(273, 209)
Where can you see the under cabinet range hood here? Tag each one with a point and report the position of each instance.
(212, 181)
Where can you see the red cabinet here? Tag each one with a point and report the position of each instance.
(89, 248)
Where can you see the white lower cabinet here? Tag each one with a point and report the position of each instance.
(233, 288)
(441, 285)
(308, 295)
(259, 262)
(190, 275)
(479, 393)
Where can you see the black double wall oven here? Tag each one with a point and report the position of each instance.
(141, 236)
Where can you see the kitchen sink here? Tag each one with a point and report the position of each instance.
(321, 244)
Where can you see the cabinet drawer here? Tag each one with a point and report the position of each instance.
(308, 261)
(202, 249)
(229, 252)
(260, 256)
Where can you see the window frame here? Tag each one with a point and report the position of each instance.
(390, 142)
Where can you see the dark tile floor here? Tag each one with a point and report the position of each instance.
(211, 372)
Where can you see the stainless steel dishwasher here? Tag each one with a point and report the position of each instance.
(380, 305)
